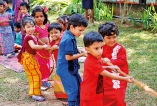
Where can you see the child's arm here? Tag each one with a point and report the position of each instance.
(54, 47)
(115, 77)
(75, 56)
(113, 67)
(4, 20)
(36, 47)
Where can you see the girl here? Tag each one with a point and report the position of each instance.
(55, 30)
(16, 9)
(24, 8)
(6, 38)
(43, 56)
(63, 21)
(27, 58)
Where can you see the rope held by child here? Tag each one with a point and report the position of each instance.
(138, 83)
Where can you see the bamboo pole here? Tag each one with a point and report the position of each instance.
(138, 83)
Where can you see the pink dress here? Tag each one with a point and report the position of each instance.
(43, 56)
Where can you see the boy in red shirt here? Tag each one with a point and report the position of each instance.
(114, 90)
(92, 84)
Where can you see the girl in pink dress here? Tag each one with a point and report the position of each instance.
(41, 30)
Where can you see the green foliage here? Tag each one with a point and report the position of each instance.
(133, 19)
(102, 11)
(146, 17)
(60, 7)
(75, 6)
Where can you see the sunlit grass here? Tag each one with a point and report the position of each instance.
(141, 50)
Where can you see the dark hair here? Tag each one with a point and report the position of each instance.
(108, 29)
(25, 5)
(1, 2)
(7, 1)
(55, 25)
(17, 24)
(77, 20)
(40, 9)
(27, 19)
(91, 37)
(63, 19)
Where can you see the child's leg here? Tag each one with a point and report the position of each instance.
(7, 43)
(31, 68)
(114, 97)
(72, 87)
(44, 67)
(91, 102)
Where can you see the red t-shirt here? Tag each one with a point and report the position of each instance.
(92, 84)
(55, 52)
(117, 56)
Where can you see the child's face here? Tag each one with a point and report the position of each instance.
(29, 28)
(39, 18)
(77, 31)
(6, 5)
(55, 34)
(1, 8)
(23, 10)
(17, 29)
(110, 40)
(64, 26)
(95, 49)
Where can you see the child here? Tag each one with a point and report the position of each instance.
(63, 21)
(6, 37)
(24, 8)
(27, 58)
(9, 10)
(55, 30)
(18, 36)
(88, 4)
(114, 90)
(67, 63)
(92, 84)
(43, 56)
(16, 8)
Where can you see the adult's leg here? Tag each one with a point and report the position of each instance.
(86, 14)
(92, 15)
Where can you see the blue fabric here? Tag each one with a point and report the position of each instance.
(9, 10)
(68, 70)
(87, 4)
(18, 39)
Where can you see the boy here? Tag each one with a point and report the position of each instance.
(55, 30)
(18, 36)
(92, 84)
(67, 63)
(114, 90)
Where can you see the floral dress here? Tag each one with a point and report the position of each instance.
(6, 37)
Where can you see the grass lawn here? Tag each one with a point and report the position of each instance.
(141, 50)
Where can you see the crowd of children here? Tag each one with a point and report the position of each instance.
(43, 46)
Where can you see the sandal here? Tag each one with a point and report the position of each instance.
(65, 103)
(38, 98)
(46, 84)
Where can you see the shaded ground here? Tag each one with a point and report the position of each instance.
(48, 94)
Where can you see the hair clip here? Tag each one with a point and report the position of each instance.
(45, 9)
